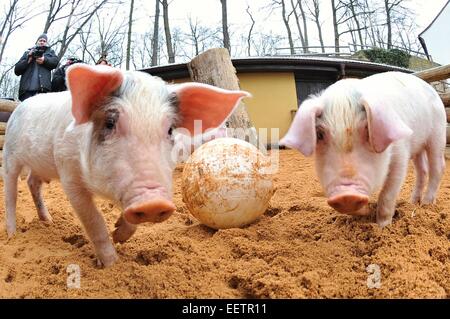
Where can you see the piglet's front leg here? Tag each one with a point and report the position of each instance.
(391, 189)
(124, 230)
(92, 221)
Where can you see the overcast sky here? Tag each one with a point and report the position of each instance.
(209, 12)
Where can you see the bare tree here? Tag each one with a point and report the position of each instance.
(169, 46)
(155, 44)
(303, 33)
(226, 36)
(76, 14)
(393, 9)
(354, 5)
(14, 17)
(342, 16)
(266, 44)
(249, 37)
(275, 5)
(106, 40)
(9, 83)
(56, 12)
(130, 25)
(315, 13)
(198, 36)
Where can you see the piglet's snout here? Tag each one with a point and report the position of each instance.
(349, 203)
(155, 210)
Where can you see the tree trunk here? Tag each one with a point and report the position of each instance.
(167, 32)
(317, 21)
(300, 31)
(214, 67)
(130, 24)
(155, 42)
(226, 36)
(319, 30)
(249, 37)
(305, 23)
(358, 25)
(288, 28)
(335, 26)
(388, 23)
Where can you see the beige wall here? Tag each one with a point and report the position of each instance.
(274, 96)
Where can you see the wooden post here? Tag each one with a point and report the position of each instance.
(434, 74)
(214, 67)
(7, 105)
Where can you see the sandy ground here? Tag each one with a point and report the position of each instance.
(299, 248)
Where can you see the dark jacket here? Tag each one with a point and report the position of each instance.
(25, 69)
(59, 79)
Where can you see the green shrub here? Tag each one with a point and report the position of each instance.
(392, 56)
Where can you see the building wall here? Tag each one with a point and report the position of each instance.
(274, 97)
(273, 101)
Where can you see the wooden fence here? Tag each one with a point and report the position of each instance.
(439, 73)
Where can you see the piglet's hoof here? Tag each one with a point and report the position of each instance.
(123, 231)
(107, 260)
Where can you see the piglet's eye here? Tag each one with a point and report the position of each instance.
(110, 122)
(170, 131)
(320, 133)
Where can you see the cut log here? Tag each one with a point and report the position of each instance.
(7, 105)
(214, 67)
(434, 74)
(2, 128)
(2, 141)
(445, 97)
(448, 134)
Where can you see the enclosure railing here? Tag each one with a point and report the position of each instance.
(344, 50)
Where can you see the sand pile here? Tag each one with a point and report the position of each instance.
(300, 248)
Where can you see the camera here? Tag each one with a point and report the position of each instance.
(38, 51)
(71, 61)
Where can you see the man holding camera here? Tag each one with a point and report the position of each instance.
(35, 66)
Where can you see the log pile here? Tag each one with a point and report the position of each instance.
(438, 74)
(6, 106)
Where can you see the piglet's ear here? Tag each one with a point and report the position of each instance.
(385, 126)
(302, 133)
(89, 85)
(205, 103)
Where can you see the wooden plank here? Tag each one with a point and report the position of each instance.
(447, 111)
(7, 105)
(2, 140)
(445, 97)
(434, 74)
(2, 128)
